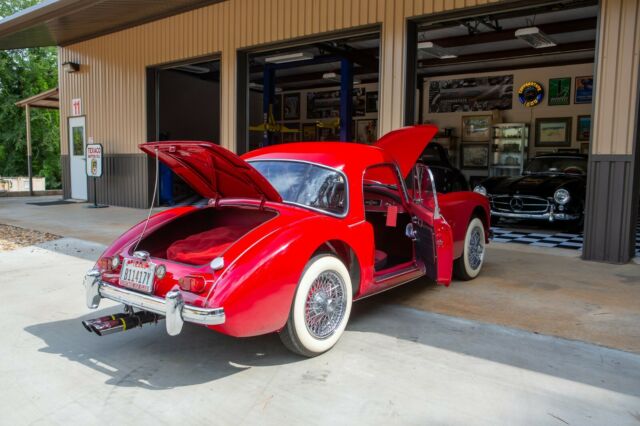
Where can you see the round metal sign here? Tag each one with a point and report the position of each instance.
(530, 94)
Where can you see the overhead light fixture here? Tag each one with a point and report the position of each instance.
(194, 69)
(258, 86)
(289, 57)
(534, 37)
(431, 49)
(332, 76)
(71, 67)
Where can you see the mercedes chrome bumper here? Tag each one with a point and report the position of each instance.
(540, 216)
(175, 311)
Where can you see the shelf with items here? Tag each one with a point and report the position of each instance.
(509, 147)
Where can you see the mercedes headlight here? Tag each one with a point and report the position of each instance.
(561, 196)
(480, 190)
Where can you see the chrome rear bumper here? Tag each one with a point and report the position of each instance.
(175, 311)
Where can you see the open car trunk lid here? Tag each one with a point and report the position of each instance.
(212, 171)
(406, 145)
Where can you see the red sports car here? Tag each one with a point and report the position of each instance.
(290, 236)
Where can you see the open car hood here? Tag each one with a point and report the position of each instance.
(406, 145)
(212, 171)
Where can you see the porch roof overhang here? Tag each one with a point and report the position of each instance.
(49, 99)
(64, 22)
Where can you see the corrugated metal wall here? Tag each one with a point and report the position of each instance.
(616, 96)
(111, 82)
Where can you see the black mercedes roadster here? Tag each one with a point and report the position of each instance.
(552, 188)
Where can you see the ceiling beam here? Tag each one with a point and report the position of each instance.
(508, 54)
(504, 35)
(440, 73)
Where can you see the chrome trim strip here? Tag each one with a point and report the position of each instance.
(340, 172)
(544, 216)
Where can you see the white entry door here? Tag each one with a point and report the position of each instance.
(77, 143)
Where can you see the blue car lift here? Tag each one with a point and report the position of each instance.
(346, 92)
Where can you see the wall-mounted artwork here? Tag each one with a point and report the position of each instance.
(553, 131)
(559, 91)
(471, 94)
(583, 132)
(475, 156)
(476, 128)
(584, 90)
(291, 106)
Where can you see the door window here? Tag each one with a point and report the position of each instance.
(424, 190)
(77, 138)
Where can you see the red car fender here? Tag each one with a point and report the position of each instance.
(257, 290)
(458, 208)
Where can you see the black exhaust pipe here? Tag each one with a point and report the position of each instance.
(121, 322)
(88, 323)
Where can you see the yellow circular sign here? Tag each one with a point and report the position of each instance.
(530, 94)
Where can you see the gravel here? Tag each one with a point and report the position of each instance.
(13, 237)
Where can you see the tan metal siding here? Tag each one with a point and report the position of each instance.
(111, 82)
(617, 77)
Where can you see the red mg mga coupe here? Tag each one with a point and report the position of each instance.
(290, 236)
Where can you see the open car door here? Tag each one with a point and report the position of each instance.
(432, 235)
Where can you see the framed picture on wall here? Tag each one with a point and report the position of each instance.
(559, 91)
(309, 132)
(291, 106)
(553, 131)
(584, 90)
(476, 128)
(475, 156)
(583, 132)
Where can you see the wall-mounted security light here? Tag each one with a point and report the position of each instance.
(534, 37)
(71, 67)
(431, 49)
(289, 57)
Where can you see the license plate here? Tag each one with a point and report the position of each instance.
(137, 275)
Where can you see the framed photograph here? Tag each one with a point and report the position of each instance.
(372, 102)
(291, 106)
(476, 128)
(471, 94)
(583, 132)
(366, 131)
(309, 132)
(584, 90)
(553, 131)
(559, 91)
(475, 156)
(584, 148)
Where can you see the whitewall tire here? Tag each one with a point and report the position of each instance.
(321, 307)
(469, 265)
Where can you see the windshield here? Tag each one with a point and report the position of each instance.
(556, 165)
(306, 184)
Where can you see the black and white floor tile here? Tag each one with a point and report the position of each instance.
(546, 239)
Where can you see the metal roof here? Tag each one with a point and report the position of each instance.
(48, 99)
(63, 22)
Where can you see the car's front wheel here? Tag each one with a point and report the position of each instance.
(320, 308)
(468, 266)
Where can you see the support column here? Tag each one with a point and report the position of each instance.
(27, 111)
(612, 187)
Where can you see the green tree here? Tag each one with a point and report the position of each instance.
(24, 73)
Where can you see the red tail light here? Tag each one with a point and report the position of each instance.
(109, 264)
(192, 283)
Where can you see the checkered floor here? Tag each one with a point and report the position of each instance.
(540, 239)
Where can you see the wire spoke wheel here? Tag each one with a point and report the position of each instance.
(325, 305)
(476, 248)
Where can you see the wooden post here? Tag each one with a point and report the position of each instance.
(28, 118)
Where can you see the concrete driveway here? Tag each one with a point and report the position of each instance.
(395, 365)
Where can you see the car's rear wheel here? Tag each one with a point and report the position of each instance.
(320, 308)
(468, 266)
